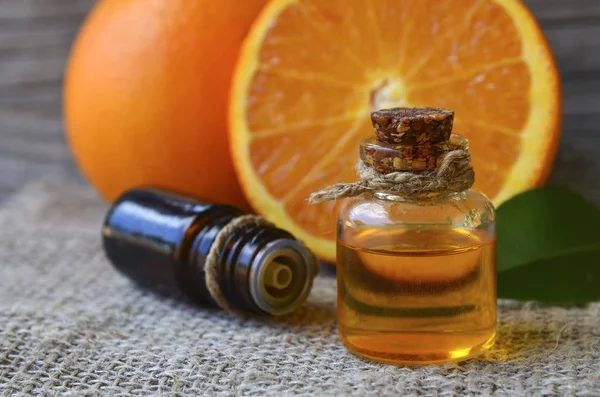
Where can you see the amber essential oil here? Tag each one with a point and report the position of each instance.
(416, 296)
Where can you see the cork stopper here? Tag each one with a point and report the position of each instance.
(385, 158)
(412, 126)
(412, 153)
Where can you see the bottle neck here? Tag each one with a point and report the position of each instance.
(261, 269)
(416, 197)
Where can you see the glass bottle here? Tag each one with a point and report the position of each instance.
(161, 240)
(416, 274)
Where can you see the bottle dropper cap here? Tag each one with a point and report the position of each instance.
(282, 276)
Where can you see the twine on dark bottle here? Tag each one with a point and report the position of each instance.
(455, 174)
(211, 265)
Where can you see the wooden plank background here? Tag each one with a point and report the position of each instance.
(35, 37)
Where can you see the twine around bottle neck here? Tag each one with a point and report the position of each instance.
(454, 174)
(213, 258)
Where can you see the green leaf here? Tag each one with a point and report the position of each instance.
(549, 247)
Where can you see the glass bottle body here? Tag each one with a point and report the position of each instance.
(162, 240)
(417, 277)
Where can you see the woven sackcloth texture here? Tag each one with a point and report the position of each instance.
(70, 325)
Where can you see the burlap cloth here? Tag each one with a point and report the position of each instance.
(71, 325)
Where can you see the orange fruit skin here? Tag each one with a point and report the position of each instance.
(146, 94)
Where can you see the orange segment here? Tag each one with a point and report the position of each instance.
(311, 72)
(293, 152)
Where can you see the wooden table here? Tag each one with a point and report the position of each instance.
(35, 36)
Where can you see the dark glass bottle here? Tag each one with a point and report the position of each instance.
(161, 240)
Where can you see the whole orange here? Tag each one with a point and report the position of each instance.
(146, 93)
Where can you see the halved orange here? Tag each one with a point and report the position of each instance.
(311, 71)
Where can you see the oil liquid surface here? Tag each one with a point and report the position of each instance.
(416, 296)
